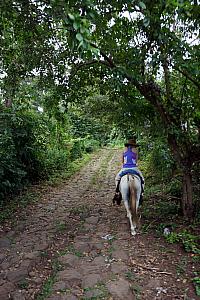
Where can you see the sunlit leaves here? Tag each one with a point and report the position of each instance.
(79, 37)
(146, 21)
(142, 5)
(71, 17)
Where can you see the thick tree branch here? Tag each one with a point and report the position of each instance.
(167, 81)
(107, 58)
(149, 90)
(81, 65)
(85, 64)
(186, 74)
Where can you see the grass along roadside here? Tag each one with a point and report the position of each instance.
(48, 285)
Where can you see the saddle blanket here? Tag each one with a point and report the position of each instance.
(130, 171)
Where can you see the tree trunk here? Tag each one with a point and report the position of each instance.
(186, 202)
(182, 153)
(184, 162)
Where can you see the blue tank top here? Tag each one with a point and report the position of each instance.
(129, 159)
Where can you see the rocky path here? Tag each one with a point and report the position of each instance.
(74, 244)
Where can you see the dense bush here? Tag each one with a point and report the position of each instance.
(54, 159)
(21, 143)
(33, 147)
(28, 130)
(91, 145)
(157, 161)
(12, 173)
(174, 187)
(76, 148)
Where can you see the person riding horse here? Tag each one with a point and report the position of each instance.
(129, 165)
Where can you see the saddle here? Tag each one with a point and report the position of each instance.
(118, 196)
(132, 172)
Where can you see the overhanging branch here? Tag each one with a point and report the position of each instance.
(149, 90)
(85, 64)
(186, 74)
(81, 65)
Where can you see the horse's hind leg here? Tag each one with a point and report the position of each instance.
(129, 215)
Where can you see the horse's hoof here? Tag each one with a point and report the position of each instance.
(133, 233)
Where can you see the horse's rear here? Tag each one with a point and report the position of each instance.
(130, 187)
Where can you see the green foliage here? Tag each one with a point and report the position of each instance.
(137, 73)
(181, 266)
(54, 159)
(47, 288)
(33, 147)
(172, 238)
(157, 159)
(196, 281)
(11, 170)
(20, 138)
(161, 226)
(27, 132)
(85, 126)
(189, 241)
(91, 145)
(174, 187)
(77, 148)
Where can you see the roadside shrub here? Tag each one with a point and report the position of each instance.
(174, 187)
(54, 159)
(12, 174)
(76, 149)
(21, 142)
(161, 161)
(29, 150)
(28, 133)
(189, 241)
(91, 145)
(82, 145)
(34, 146)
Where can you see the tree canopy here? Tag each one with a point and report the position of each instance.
(143, 55)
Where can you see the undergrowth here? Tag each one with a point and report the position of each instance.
(189, 241)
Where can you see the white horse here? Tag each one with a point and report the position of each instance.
(130, 188)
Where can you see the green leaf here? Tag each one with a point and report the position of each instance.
(91, 15)
(146, 21)
(76, 25)
(80, 44)
(142, 5)
(66, 20)
(79, 37)
(95, 51)
(71, 17)
(82, 29)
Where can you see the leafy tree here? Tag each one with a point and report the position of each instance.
(148, 45)
(137, 43)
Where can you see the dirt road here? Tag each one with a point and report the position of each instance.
(74, 244)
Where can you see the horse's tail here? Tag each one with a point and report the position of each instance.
(133, 199)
